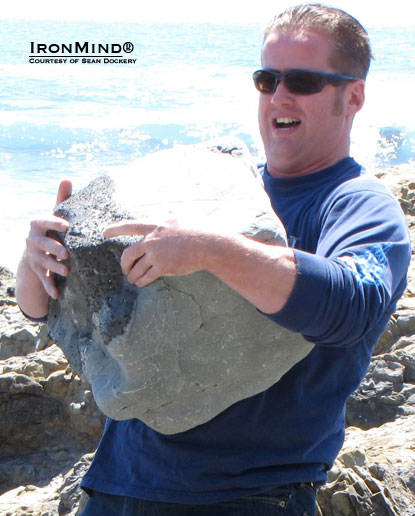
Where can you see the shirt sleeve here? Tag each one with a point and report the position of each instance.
(35, 319)
(353, 281)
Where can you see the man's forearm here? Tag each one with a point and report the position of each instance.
(264, 274)
(30, 294)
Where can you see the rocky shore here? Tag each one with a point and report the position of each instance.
(50, 425)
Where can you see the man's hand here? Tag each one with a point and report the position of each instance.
(165, 250)
(263, 274)
(43, 253)
(41, 260)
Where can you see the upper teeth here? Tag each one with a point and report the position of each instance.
(286, 120)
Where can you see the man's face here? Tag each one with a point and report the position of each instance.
(319, 137)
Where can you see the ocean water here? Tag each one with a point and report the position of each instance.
(189, 83)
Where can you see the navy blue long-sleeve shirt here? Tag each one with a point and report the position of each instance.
(352, 251)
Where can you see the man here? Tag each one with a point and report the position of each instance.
(337, 285)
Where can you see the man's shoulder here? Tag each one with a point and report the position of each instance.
(364, 194)
(365, 184)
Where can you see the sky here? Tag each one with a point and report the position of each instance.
(370, 13)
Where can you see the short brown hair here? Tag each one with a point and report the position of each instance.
(351, 53)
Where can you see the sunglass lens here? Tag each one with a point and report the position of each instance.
(297, 81)
(265, 82)
(304, 83)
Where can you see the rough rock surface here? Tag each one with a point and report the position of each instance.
(18, 336)
(49, 422)
(374, 473)
(183, 349)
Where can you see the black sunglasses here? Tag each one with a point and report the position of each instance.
(301, 82)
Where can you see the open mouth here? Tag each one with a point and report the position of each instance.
(286, 123)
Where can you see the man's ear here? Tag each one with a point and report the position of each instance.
(356, 96)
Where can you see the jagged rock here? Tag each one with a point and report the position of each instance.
(18, 336)
(60, 496)
(400, 180)
(180, 351)
(48, 418)
(387, 391)
(374, 474)
(71, 497)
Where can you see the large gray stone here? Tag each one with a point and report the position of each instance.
(180, 351)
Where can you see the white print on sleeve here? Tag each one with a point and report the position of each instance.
(368, 266)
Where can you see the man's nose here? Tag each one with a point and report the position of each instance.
(281, 93)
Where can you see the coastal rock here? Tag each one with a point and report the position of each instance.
(400, 181)
(48, 419)
(180, 351)
(60, 496)
(49, 424)
(388, 389)
(374, 474)
(18, 336)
